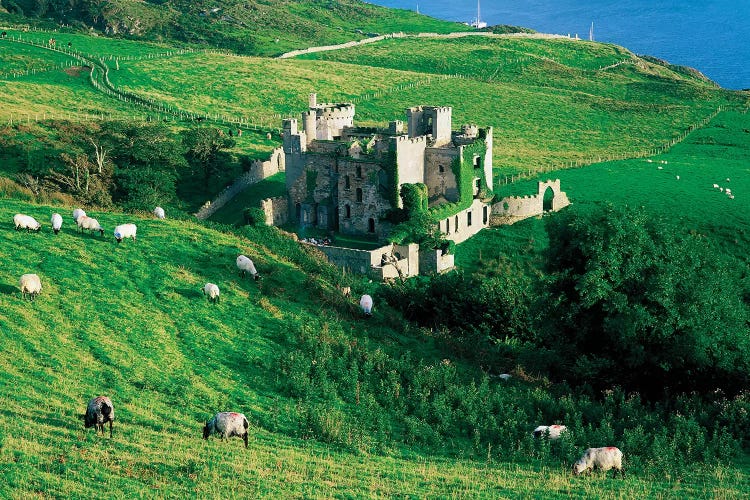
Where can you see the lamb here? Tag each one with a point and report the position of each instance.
(600, 458)
(125, 231)
(56, 222)
(366, 304)
(26, 222)
(77, 214)
(86, 222)
(99, 412)
(227, 424)
(212, 291)
(245, 265)
(31, 284)
(159, 213)
(551, 431)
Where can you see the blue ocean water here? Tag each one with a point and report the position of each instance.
(712, 36)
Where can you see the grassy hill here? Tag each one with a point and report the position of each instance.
(320, 387)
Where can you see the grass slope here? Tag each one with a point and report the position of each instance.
(129, 321)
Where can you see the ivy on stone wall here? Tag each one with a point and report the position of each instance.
(390, 166)
(312, 182)
(415, 198)
(465, 173)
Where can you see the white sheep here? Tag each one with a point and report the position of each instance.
(727, 179)
(551, 431)
(212, 291)
(245, 265)
(728, 191)
(649, 160)
(366, 304)
(731, 196)
(600, 458)
(677, 177)
(159, 213)
(78, 213)
(56, 222)
(716, 186)
(31, 284)
(125, 231)
(85, 222)
(98, 412)
(26, 222)
(227, 424)
(660, 168)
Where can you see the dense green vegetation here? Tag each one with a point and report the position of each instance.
(406, 402)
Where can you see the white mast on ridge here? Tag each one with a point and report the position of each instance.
(478, 24)
(591, 32)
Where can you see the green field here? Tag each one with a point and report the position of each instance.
(339, 406)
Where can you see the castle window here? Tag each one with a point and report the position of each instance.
(371, 225)
(298, 210)
(441, 169)
(447, 226)
(455, 223)
(347, 182)
(468, 218)
(359, 171)
(347, 211)
(484, 215)
(359, 195)
(476, 162)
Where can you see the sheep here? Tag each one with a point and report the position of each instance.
(346, 291)
(716, 186)
(31, 284)
(728, 191)
(98, 412)
(159, 213)
(77, 214)
(649, 160)
(89, 223)
(551, 431)
(212, 291)
(56, 222)
(245, 265)
(727, 179)
(125, 231)
(660, 168)
(366, 304)
(677, 177)
(227, 424)
(600, 458)
(26, 222)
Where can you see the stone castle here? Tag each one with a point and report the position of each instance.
(346, 179)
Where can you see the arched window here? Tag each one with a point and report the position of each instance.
(484, 215)
(359, 171)
(298, 210)
(468, 218)
(347, 183)
(347, 212)
(455, 223)
(441, 168)
(359, 195)
(447, 226)
(371, 225)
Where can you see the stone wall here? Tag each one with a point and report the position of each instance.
(434, 261)
(259, 170)
(439, 177)
(515, 208)
(467, 223)
(276, 209)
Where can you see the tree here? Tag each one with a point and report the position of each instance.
(632, 301)
(205, 147)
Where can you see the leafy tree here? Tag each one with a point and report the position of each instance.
(632, 301)
(205, 147)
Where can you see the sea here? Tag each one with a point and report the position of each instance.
(712, 36)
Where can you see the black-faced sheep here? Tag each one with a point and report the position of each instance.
(245, 265)
(211, 291)
(227, 424)
(125, 231)
(551, 431)
(600, 458)
(99, 412)
(77, 214)
(31, 284)
(85, 222)
(26, 222)
(56, 222)
(366, 304)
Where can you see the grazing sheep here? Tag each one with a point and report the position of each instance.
(728, 191)
(727, 179)
(245, 265)
(159, 213)
(716, 186)
(77, 214)
(85, 222)
(660, 168)
(731, 196)
(551, 431)
(649, 160)
(99, 412)
(600, 458)
(125, 231)
(31, 284)
(212, 291)
(366, 304)
(677, 177)
(227, 424)
(26, 222)
(56, 222)
(721, 189)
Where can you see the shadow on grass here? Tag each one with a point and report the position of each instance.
(9, 290)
